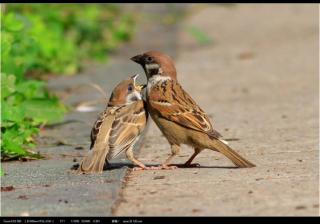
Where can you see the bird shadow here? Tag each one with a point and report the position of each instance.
(115, 166)
(204, 167)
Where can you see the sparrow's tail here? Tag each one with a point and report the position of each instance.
(222, 147)
(93, 162)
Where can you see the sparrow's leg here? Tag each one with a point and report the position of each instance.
(130, 156)
(175, 149)
(188, 163)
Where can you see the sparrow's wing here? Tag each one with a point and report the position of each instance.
(95, 159)
(96, 127)
(129, 123)
(175, 104)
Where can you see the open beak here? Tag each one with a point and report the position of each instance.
(140, 87)
(138, 58)
(137, 87)
(134, 77)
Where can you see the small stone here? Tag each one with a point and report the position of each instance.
(245, 90)
(195, 210)
(250, 192)
(79, 148)
(23, 197)
(246, 55)
(300, 207)
(8, 188)
(158, 177)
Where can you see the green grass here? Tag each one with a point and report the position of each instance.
(41, 39)
(200, 36)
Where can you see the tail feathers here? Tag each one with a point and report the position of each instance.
(93, 162)
(238, 160)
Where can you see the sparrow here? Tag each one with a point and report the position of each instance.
(177, 115)
(118, 127)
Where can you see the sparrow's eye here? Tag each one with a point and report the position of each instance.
(149, 59)
(130, 88)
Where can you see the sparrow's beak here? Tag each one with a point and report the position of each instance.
(139, 88)
(134, 77)
(138, 58)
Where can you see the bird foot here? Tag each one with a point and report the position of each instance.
(190, 165)
(167, 167)
(161, 167)
(140, 168)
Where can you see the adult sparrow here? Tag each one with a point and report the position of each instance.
(177, 115)
(117, 128)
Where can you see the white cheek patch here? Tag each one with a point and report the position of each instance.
(152, 66)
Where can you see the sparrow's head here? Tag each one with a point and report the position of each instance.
(126, 92)
(156, 63)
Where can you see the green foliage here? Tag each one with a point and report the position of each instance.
(200, 36)
(56, 38)
(38, 39)
(24, 106)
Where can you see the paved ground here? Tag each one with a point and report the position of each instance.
(259, 82)
(45, 187)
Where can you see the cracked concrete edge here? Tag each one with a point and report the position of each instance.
(170, 46)
(120, 197)
(166, 42)
(124, 181)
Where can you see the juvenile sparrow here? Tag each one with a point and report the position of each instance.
(117, 128)
(177, 115)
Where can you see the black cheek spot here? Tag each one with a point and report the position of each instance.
(134, 98)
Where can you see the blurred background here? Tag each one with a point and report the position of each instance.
(252, 67)
(41, 42)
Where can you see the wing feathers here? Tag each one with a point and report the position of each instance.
(95, 159)
(132, 120)
(115, 131)
(176, 105)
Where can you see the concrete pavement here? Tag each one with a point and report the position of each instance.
(46, 187)
(258, 81)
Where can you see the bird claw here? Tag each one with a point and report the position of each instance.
(168, 167)
(161, 167)
(139, 168)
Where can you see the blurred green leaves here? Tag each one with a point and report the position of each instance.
(200, 36)
(24, 106)
(57, 38)
(39, 39)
